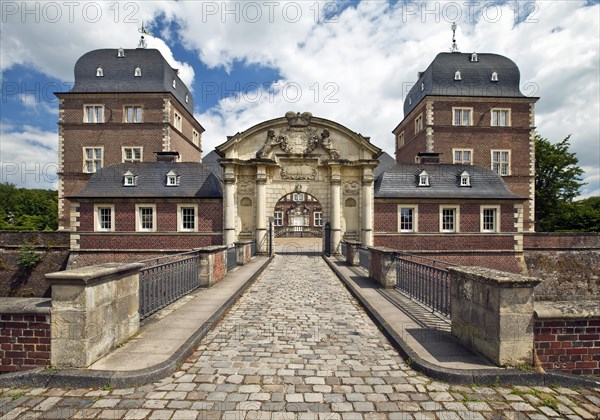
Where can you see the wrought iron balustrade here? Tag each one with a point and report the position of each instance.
(231, 258)
(163, 283)
(364, 256)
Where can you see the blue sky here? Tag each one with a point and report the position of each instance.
(349, 61)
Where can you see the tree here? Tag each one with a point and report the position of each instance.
(24, 209)
(557, 181)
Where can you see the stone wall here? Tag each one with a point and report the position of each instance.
(567, 336)
(24, 334)
(561, 241)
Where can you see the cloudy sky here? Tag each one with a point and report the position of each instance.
(348, 61)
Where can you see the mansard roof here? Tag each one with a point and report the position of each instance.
(196, 180)
(118, 74)
(401, 181)
(475, 78)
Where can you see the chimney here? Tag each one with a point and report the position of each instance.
(429, 157)
(167, 156)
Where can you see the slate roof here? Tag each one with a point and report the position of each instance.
(211, 162)
(401, 181)
(157, 75)
(195, 181)
(475, 81)
(385, 161)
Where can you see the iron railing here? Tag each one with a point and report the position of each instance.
(231, 258)
(164, 283)
(343, 245)
(363, 258)
(252, 248)
(425, 283)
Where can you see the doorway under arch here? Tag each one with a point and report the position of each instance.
(298, 214)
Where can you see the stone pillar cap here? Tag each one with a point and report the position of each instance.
(91, 273)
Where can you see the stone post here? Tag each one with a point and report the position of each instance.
(492, 312)
(383, 266)
(213, 264)
(367, 202)
(94, 309)
(242, 252)
(352, 253)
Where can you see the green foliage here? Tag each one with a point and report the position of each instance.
(557, 181)
(28, 258)
(25, 209)
(578, 216)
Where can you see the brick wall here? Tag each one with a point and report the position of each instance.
(24, 341)
(220, 268)
(568, 345)
(11, 239)
(125, 241)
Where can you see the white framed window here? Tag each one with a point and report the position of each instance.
(132, 154)
(93, 158)
(145, 217)
(494, 77)
(129, 179)
(104, 217)
(501, 162)
(132, 114)
(298, 197)
(195, 138)
(99, 72)
(457, 75)
(424, 179)
(93, 114)
(474, 57)
(177, 121)
(500, 117)
(318, 218)
(278, 218)
(400, 140)
(172, 179)
(449, 218)
(174, 84)
(187, 98)
(418, 123)
(462, 156)
(407, 218)
(465, 179)
(490, 218)
(186, 217)
(137, 72)
(422, 86)
(462, 116)
(120, 53)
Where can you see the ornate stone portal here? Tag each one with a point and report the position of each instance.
(320, 153)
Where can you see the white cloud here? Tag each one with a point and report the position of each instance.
(28, 156)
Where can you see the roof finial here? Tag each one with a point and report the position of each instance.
(454, 46)
(143, 31)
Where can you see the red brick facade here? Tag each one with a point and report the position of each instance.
(155, 133)
(24, 342)
(568, 345)
(561, 241)
(480, 137)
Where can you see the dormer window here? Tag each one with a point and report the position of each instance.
(494, 77)
(465, 179)
(409, 100)
(423, 179)
(129, 179)
(422, 86)
(174, 83)
(457, 75)
(172, 179)
(474, 57)
(99, 72)
(120, 53)
(137, 72)
(187, 98)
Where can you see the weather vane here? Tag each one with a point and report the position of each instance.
(143, 31)
(454, 46)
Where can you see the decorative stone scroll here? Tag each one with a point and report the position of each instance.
(298, 171)
(297, 138)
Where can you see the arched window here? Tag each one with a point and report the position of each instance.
(494, 77)
(174, 83)
(457, 75)
(423, 179)
(137, 72)
(465, 179)
(99, 72)
(120, 53)
(474, 57)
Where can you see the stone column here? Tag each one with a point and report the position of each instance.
(336, 228)
(261, 209)
(94, 309)
(212, 267)
(352, 253)
(367, 209)
(229, 206)
(492, 312)
(382, 267)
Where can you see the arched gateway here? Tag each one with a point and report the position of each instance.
(298, 154)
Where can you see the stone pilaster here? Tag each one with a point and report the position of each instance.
(229, 206)
(367, 204)
(261, 209)
(336, 227)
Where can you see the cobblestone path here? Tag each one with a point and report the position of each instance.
(297, 345)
